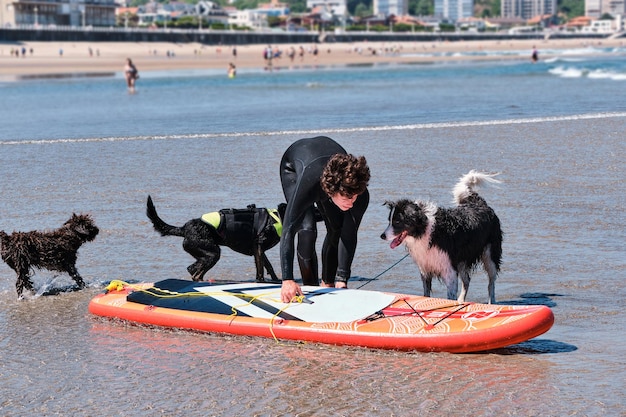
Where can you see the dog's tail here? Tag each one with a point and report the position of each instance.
(469, 182)
(159, 225)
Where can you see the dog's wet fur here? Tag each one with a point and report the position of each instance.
(449, 243)
(202, 241)
(54, 250)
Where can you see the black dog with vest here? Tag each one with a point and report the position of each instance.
(250, 231)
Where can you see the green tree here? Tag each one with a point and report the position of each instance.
(421, 7)
(571, 8)
(245, 4)
(362, 10)
(297, 6)
(354, 4)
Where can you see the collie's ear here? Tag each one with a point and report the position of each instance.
(409, 210)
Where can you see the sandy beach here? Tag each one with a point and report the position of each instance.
(45, 58)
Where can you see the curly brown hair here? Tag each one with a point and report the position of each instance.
(346, 175)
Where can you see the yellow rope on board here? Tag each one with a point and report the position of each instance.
(119, 285)
(297, 299)
(252, 299)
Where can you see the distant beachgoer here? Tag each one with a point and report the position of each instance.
(301, 53)
(268, 54)
(131, 74)
(292, 53)
(232, 70)
(234, 52)
(535, 55)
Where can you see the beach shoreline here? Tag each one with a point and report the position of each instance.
(43, 59)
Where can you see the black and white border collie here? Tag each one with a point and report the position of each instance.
(450, 242)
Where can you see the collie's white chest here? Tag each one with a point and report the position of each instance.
(431, 260)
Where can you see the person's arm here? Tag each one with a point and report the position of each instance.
(293, 216)
(305, 192)
(349, 237)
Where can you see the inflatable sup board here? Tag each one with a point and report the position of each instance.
(371, 319)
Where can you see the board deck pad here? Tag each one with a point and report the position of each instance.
(261, 300)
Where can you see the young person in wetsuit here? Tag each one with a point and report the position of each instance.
(317, 172)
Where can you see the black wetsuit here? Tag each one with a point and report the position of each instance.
(300, 173)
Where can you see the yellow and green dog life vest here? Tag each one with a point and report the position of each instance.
(215, 219)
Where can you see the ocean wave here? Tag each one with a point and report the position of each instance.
(556, 59)
(598, 74)
(610, 75)
(567, 72)
(568, 55)
(418, 126)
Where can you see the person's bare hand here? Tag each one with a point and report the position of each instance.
(289, 291)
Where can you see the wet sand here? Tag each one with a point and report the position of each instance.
(107, 57)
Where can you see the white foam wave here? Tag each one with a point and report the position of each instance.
(418, 126)
(598, 74)
(556, 59)
(607, 75)
(567, 72)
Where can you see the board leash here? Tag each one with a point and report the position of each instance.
(368, 280)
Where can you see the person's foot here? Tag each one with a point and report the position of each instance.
(337, 284)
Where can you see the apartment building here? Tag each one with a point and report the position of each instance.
(57, 12)
(453, 10)
(391, 7)
(527, 9)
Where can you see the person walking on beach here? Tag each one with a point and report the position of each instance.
(268, 54)
(318, 173)
(131, 74)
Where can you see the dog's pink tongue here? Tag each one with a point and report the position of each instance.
(397, 241)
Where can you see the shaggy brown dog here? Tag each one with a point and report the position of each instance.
(55, 250)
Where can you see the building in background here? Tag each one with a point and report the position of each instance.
(334, 7)
(527, 9)
(596, 8)
(391, 7)
(15, 13)
(248, 18)
(453, 10)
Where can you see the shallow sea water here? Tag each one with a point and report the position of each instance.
(560, 204)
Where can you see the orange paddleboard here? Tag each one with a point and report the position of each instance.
(371, 319)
